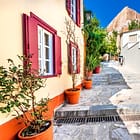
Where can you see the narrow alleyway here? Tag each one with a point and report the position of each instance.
(108, 111)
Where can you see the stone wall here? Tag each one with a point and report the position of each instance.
(120, 22)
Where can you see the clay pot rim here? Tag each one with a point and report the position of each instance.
(29, 137)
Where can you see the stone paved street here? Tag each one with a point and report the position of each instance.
(115, 90)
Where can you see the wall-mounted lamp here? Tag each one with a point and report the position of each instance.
(88, 15)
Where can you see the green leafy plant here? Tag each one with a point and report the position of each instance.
(18, 85)
(112, 49)
(94, 40)
(134, 24)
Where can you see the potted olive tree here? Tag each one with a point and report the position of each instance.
(90, 65)
(72, 94)
(18, 85)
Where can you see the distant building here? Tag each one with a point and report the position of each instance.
(128, 42)
(120, 23)
(130, 49)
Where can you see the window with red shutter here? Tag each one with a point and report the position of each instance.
(73, 9)
(73, 58)
(42, 42)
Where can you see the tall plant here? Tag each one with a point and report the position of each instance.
(18, 85)
(112, 46)
(71, 36)
(94, 39)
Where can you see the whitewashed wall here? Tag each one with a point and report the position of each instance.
(131, 51)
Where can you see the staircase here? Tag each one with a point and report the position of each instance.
(96, 101)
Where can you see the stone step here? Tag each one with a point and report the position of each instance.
(99, 110)
(107, 79)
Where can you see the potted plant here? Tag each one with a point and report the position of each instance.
(94, 40)
(72, 94)
(97, 69)
(90, 65)
(18, 85)
(94, 37)
(87, 83)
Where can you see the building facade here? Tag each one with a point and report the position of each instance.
(38, 28)
(121, 22)
(130, 50)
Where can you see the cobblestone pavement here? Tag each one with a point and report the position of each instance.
(114, 86)
(98, 131)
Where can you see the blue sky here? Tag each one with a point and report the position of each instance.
(106, 10)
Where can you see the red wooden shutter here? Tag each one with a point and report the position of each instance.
(68, 6)
(57, 52)
(78, 17)
(78, 60)
(33, 43)
(25, 34)
(25, 28)
(30, 40)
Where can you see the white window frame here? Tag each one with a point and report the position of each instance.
(44, 62)
(74, 57)
(73, 10)
(133, 38)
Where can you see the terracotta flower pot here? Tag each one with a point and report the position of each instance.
(97, 69)
(45, 135)
(87, 84)
(72, 96)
